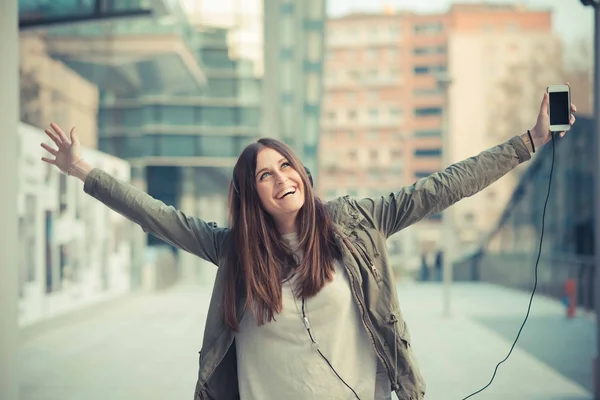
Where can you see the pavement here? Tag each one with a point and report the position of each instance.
(145, 346)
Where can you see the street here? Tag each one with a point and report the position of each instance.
(146, 346)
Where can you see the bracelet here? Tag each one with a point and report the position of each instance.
(73, 166)
(531, 140)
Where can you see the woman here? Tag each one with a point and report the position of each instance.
(304, 304)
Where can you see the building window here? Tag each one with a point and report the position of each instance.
(428, 133)
(428, 152)
(428, 111)
(352, 115)
(286, 53)
(373, 155)
(176, 145)
(422, 174)
(218, 116)
(431, 69)
(218, 146)
(422, 50)
(287, 98)
(352, 155)
(429, 28)
(287, 8)
(427, 92)
(310, 66)
(435, 217)
(313, 24)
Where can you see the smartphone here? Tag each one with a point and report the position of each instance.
(559, 107)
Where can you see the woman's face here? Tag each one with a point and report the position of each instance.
(280, 188)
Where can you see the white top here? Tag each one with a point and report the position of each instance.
(277, 360)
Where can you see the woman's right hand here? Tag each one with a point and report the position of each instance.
(69, 149)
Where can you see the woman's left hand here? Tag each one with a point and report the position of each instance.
(540, 133)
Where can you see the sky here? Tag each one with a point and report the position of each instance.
(571, 20)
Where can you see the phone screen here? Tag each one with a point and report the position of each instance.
(559, 108)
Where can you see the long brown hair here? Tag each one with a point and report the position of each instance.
(255, 263)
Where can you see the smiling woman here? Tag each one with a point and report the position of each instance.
(304, 303)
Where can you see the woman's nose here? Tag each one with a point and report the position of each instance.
(280, 177)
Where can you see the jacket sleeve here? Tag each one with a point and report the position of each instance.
(153, 216)
(433, 194)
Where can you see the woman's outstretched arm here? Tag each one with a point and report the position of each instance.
(191, 234)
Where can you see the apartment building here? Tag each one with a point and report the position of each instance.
(385, 103)
(501, 58)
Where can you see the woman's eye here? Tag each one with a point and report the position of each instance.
(285, 164)
(263, 176)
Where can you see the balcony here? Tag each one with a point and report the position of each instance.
(126, 57)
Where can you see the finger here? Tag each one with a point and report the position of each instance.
(59, 132)
(49, 161)
(49, 149)
(53, 136)
(562, 134)
(573, 108)
(544, 106)
(572, 120)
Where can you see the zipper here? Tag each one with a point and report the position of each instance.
(370, 262)
(366, 323)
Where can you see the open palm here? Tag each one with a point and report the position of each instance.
(69, 148)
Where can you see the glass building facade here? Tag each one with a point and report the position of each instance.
(179, 99)
(181, 94)
(508, 254)
(295, 32)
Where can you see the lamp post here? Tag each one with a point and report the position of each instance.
(595, 4)
(444, 81)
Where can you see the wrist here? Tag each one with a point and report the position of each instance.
(80, 170)
(527, 139)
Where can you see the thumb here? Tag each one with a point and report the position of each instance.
(74, 137)
(545, 103)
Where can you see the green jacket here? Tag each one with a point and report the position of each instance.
(365, 223)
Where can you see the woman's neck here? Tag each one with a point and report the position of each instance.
(287, 226)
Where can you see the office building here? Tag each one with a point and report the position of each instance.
(383, 114)
(501, 58)
(294, 33)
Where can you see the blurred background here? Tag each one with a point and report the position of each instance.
(373, 95)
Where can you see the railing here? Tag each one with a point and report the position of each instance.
(516, 270)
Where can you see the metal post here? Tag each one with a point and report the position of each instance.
(597, 184)
(444, 82)
(9, 117)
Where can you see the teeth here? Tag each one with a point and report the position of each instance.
(286, 191)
